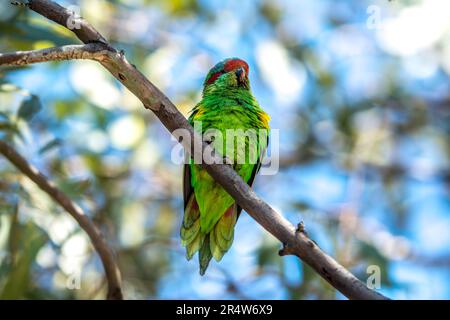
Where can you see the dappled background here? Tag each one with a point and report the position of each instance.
(358, 89)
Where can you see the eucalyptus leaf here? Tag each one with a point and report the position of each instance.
(29, 108)
(50, 145)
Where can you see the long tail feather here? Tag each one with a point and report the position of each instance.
(213, 244)
(221, 236)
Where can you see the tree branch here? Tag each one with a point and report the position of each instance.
(106, 254)
(93, 51)
(294, 242)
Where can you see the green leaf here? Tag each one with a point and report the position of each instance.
(29, 108)
(7, 126)
(10, 129)
(372, 256)
(267, 254)
(75, 188)
(63, 109)
(30, 238)
(50, 145)
(25, 36)
(8, 87)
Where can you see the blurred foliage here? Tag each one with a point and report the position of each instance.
(355, 116)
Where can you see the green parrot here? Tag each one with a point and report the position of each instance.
(210, 213)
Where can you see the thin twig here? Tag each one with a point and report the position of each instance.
(104, 251)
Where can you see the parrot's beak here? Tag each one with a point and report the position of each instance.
(240, 75)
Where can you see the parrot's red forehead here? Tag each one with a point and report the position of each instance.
(234, 64)
(225, 66)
